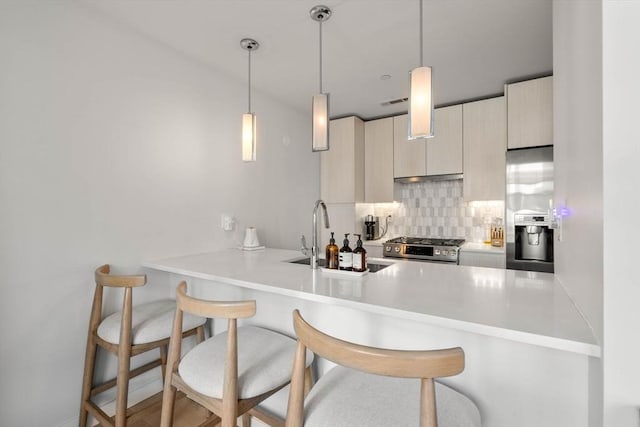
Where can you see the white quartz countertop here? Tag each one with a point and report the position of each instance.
(527, 307)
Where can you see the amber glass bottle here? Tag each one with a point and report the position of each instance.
(331, 253)
(359, 263)
(346, 255)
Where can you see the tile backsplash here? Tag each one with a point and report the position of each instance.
(435, 209)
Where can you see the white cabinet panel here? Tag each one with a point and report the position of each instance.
(444, 150)
(440, 155)
(409, 156)
(342, 167)
(378, 142)
(484, 151)
(530, 113)
(487, 259)
(373, 250)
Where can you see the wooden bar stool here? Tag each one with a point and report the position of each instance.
(376, 387)
(232, 372)
(132, 331)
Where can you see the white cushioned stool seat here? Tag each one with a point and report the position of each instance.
(150, 322)
(350, 398)
(264, 362)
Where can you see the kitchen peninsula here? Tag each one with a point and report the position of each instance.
(528, 349)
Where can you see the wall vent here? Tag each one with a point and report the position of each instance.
(394, 101)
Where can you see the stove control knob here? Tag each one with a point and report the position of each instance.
(397, 249)
(387, 248)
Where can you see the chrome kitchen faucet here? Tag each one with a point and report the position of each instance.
(314, 234)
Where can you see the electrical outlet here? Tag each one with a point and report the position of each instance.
(227, 222)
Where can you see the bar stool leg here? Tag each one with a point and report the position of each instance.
(87, 379)
(245, 420)
(163, 361)
(90, 355)
(124, 360)
(200, 334)
(308, 380)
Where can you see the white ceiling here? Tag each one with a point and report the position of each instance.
(474, 46)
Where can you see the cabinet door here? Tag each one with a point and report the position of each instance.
(373, 251)
(489, 259)
(409, 156)
(378, 157)
(530, 113)
(342, 167)
(444, 150)
(485, 143)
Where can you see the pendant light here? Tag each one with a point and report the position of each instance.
(249, 118)
(320, 102)
(421, 97)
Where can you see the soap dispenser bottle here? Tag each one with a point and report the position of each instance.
(346, 255)
(359, 256)
(331, 254)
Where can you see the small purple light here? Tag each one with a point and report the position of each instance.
(562, 212)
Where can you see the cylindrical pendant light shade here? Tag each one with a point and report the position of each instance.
(420, 104)
(320, 131)
(249, 119)
(320, 102)
(249, 137)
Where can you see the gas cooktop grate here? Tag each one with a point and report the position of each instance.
(427, 241)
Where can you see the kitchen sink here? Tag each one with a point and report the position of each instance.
(372, 266)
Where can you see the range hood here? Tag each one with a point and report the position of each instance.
(412, 179)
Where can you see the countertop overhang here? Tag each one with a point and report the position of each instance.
(527, 307)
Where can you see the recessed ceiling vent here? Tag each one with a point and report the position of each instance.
(394, 101)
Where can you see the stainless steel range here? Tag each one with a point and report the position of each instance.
(423, 248)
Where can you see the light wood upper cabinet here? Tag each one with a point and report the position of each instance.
(342, 167)
(439, 155)
(378, 169)
(444, 150)
(530, 113)
(484, 152)
(409, 156)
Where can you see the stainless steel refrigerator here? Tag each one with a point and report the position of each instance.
(529, 203)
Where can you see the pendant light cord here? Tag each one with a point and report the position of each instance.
(421, 37)
(249, 85)
(320, 26)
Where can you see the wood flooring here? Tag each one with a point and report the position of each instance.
(186, 413)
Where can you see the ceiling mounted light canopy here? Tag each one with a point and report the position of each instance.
(320, 102)
(249, 118)
(421, 97)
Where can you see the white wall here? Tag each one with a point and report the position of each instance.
(577, 117)
(114, 149)
(577, 128)
(595, 96)
(621, 88)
